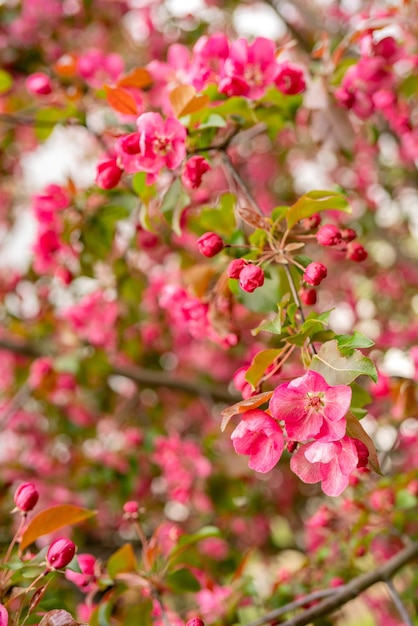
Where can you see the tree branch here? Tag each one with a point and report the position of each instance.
(343, 594)
(398, 603)
(140, 375)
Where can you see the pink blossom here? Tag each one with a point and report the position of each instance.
(330, 463)
(212, 602)
(290, 79)
(251, 277)
(193, 171)
(93, 318)
(108, 173)
(328, 235)
(235, 268)
(4, 616)
(86, 579)
(249, 68)
(315, 273)
(161, 143)
(39, 84)
(311, 408)
(209, 244)
(259, 436)
(97, 68)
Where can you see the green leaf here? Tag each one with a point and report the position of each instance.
(405, 499)
(258, 238)
(182, 580)
(314, 202)
(46, 120)
(174, 201)
(279, 213)
(186, 541)
(341, 370)
(347, 343)
(260, 363)
(123, 560)
(214, 121)
(221, 219)
(273, 325)
(6, 81)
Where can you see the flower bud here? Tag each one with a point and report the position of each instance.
(328, 235)
(39, 84)
(309, 223)
(131, 508)
(108, 174)
(251, 277)
(195, 621)
(210, 244)
(4, 616)
(356, 252)
(307, 296)
(348, 234)
(315, 273)
(193, 171)
(60, 553)
(235, 268)
(290, 79)
(26, 496)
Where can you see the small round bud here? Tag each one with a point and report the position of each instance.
(328, 235)
(26, 496)
(131, 508)
(108, 174)
(39, 84)
(210, 244)
(356, 252)
(315, 273)
(311, 222)
(4, 616)
(60, 553)
(195, 621)
(348, 234)
(235, 268)
(251, 277)
(307, 296)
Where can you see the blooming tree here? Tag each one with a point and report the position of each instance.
(209, 318)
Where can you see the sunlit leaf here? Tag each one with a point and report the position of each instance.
(121, 100)
(244, 405)
(314, 202)
(137, 78)
(341, 370)
(184, 100)
(52, 519)
(123, 560)
(259, 365)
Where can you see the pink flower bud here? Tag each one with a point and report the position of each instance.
(356, 252)
(251, 277)
(315, 273)
(4, 616)
(235, 268)
(26, 496)
(60, 553)
(108, 174)
(195, 621)
(309, 223)
(193, 171)
(210, 244)
(328, 235)
(290, 79)
(131, 507)
(348, 234)
(39, 84)
(307, 296)
(241, 384)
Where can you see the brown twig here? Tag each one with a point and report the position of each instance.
(140, 375)
(345, 593)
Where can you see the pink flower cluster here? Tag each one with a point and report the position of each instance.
(313, 414)
(93, 319)
(182, 464)
(373, 86)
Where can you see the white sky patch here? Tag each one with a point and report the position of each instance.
(182, 8)
(258, 20)
(397, 363)
(67, 153)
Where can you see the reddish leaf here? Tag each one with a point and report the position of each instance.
(251, 217)
(52, 519)
(184, 100)
(138, 78)
(356, 431)
(58, 617)
(243, 406)
(121, 100)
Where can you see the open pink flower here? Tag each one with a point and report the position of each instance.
(161, 143)
(259, 436)
(329, 463)
(311, 408)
